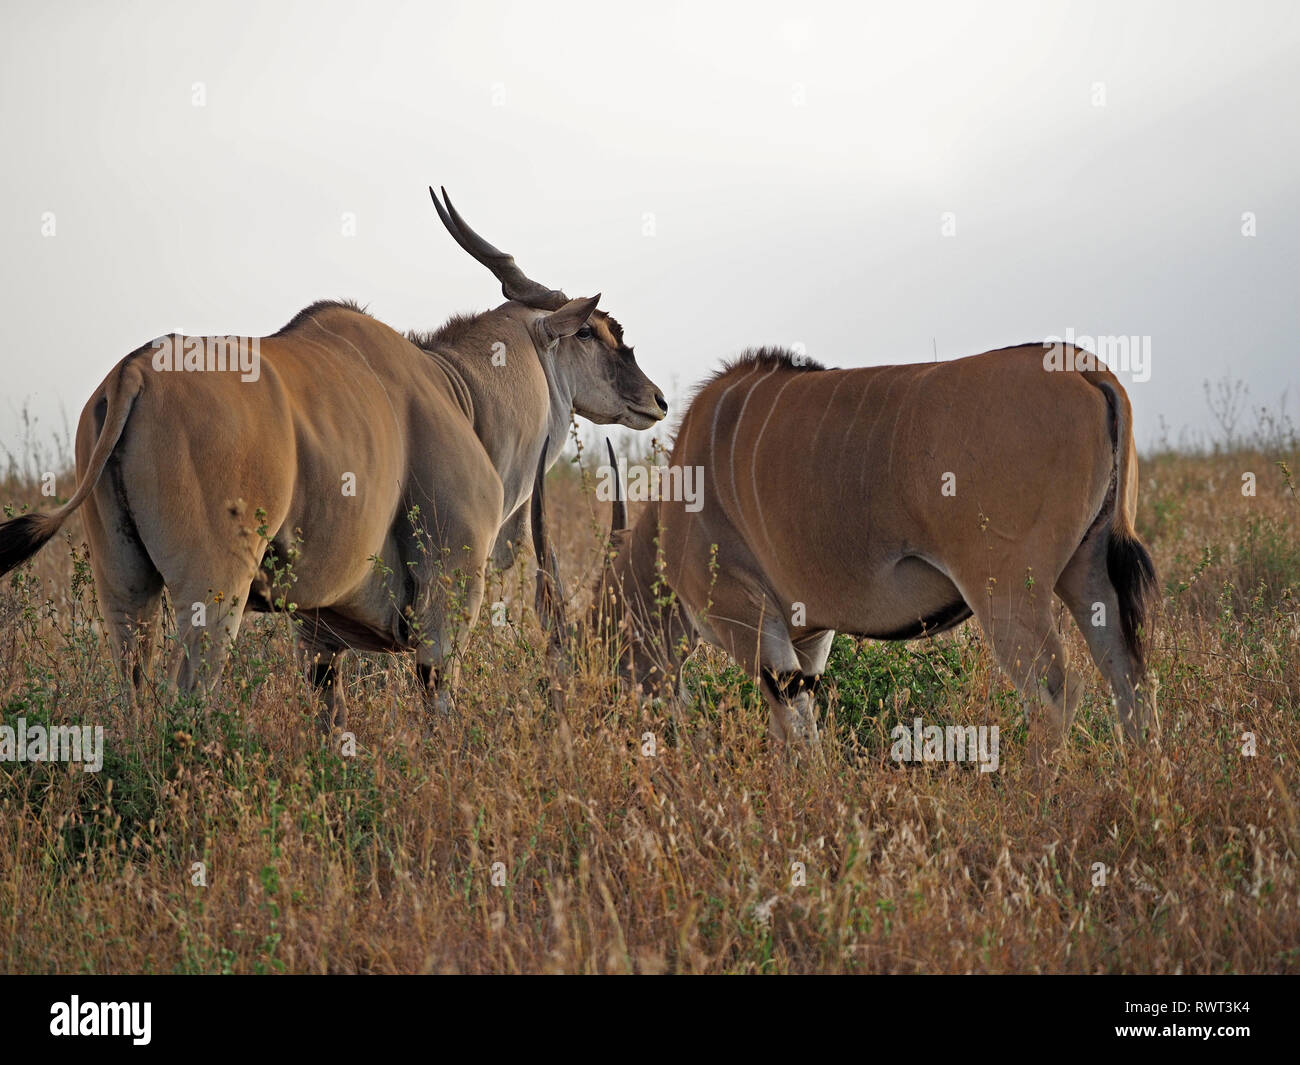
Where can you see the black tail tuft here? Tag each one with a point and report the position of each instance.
(1133, 575)
(23, 537)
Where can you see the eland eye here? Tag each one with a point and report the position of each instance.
(584, 333)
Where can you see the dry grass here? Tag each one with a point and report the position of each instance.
(612, 861)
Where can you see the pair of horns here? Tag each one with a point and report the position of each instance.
(515, 284)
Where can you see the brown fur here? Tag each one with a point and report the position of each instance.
(823, 500)
(214, 476)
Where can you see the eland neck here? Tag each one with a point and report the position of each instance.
(516, 397)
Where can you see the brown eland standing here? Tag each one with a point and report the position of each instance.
(379, 468)
(892, 503)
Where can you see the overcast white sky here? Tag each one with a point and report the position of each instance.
(796, 158)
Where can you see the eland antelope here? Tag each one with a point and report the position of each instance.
(892, 503)
(360, 477)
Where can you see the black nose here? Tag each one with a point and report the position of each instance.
(663, 403)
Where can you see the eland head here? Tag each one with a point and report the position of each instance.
(584, 347)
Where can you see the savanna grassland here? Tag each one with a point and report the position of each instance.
(525, 836)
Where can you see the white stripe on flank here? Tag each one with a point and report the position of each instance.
(898, 414)
(753, 462)
(713, 438)
(812, 447)
(853, 422)
(735, 432)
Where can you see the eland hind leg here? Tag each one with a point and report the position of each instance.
(210, 584)
(1020, 630)
(208, 619)
(1086, 589)
(127, 586)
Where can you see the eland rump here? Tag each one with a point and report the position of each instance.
(893, 503)
(372, 472)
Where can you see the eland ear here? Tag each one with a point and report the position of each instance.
(569, 318)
